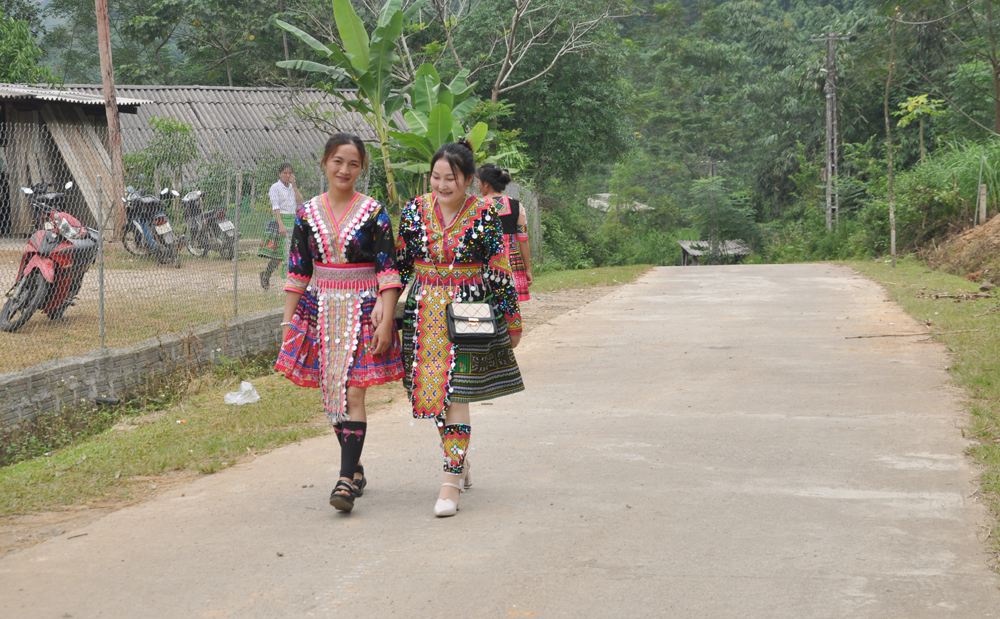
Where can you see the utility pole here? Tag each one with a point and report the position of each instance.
(111, 109)
(832, 194)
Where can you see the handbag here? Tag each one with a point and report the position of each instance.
(471, 323)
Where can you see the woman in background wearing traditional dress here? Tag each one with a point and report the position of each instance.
(285, 200)
(451, 248)
(492, 181)
(341, 290)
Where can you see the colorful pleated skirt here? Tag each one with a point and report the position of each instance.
(439, 372)
(517, 267)
(330, 341)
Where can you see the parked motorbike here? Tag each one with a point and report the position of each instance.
(207, 230)
(147, 229)
(43, 202)
(51, 270)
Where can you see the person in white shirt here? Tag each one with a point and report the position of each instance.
(285, 199)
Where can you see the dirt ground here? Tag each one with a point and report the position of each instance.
(974, 253)
(20, 532)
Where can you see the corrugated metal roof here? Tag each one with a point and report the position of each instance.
(80, 97)
(255, 110)
(726, 248)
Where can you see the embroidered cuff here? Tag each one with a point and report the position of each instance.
(514, 323)
(296, 283)
(388, 279)
(521, 237)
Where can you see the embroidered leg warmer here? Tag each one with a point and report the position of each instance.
(455, 440)
(351, 435)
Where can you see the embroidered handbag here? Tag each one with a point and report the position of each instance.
(471, 323)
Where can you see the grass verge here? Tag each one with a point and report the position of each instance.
(975, 350)
(582, 278)
(198, 434)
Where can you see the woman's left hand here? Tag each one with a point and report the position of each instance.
(382, 338)
(529, 278)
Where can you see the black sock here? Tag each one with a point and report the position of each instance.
(351, 435)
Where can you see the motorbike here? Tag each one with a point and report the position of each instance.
(43, 202)
(147, 229)
(207, 230)
(51, 269)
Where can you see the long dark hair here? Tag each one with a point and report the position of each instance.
(459, 156)
(339, 139)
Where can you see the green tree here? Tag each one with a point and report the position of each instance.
(19, 54)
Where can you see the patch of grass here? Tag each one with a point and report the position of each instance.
(582, 278)
(976, 352)
(196, 434)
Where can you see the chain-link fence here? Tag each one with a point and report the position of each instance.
(153, 264)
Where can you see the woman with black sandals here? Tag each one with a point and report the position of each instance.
(342, 288)
(451, 248)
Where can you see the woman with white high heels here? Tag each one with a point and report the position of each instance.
(450, 246)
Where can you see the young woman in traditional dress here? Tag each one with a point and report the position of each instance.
(492, 181)
(341, 290)
(451, 248)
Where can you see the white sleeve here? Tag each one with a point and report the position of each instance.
(275, 194)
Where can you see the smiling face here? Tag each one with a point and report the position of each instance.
(448, 184)
(343, 167)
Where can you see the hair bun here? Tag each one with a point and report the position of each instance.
(505, 175)
(466, 143)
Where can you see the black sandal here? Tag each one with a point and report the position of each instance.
(343, 502)
(265, 281)
(359, 484)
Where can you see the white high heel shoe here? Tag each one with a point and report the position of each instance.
(446, 507)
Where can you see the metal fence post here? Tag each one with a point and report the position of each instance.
(100, 254)
(236, 258)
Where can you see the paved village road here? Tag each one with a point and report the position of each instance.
(702, 443)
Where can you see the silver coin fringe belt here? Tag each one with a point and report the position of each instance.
(340, 290)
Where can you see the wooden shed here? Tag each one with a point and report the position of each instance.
(53, 136)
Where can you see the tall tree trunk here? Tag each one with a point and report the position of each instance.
(225, 50)
(921, 139)
(995, 65)
(888, 145)
(284, 39)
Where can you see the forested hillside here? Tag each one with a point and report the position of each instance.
(699, 118)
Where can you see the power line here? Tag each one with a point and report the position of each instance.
(933, 21)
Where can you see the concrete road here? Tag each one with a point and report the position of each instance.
(703, 443)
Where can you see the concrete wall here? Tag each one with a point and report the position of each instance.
(73, 380)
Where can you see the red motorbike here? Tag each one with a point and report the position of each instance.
(51, 270)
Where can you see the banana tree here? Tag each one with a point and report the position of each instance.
(435, 117)
(365, 63)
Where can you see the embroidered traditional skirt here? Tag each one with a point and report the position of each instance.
(517, 266)
(437, 371)
(273, 246)
(342, 338)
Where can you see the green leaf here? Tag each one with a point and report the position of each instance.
(418, 143)
(424, 95)
(412, 10)
(457, 130)
(428, 69)
(439, 125)
(383, 54)
(391, 8)
(445, 97)
(462, 110)
(352, 33)
(458, 86)
(394, 103)
(305, 38)
(417, 121)
(477, 135)
(418, 168)
(313, 67)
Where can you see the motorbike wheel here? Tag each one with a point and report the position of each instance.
(168, 254)
(228, 249)
(195, 247)
(30, 295)
(135, 243)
